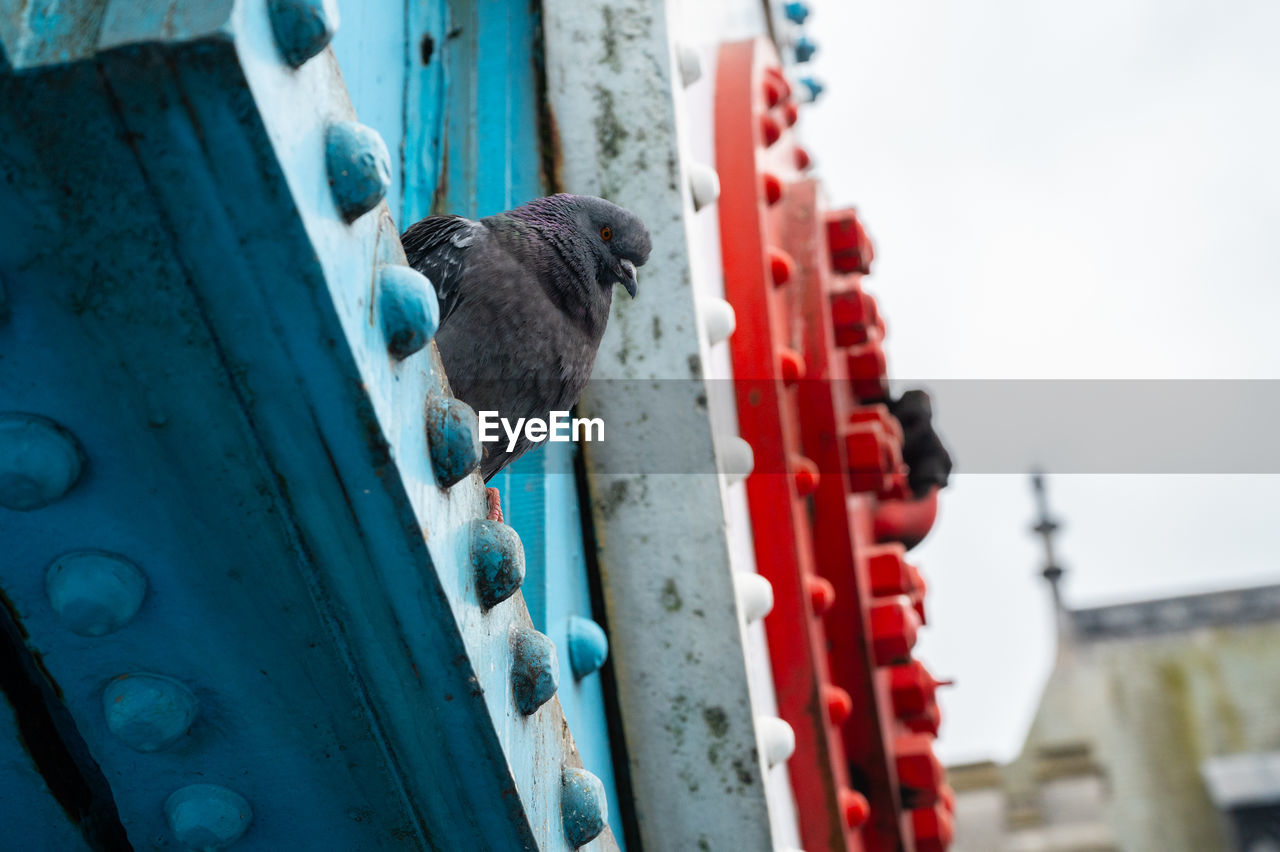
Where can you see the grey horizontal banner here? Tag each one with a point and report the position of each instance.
(988, 426)
(1109, 426)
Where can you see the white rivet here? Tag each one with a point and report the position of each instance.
(777, 740)
(755, 595)
(690, 64)
(718, 318)
(737, 459)
(704, 183)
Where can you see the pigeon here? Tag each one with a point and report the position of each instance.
(524, 298)
(928, 462)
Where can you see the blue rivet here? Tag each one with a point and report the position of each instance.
(534, 669)
(813, 85)
(207, 816)
(498, 559)
(39, 461)
(94, 592)
(583, 807)
(805, 49)
(302, 27)
(410, 311)
(796, 11)
(588, 646)
(453, 439)
(148, 712)
(359, 168)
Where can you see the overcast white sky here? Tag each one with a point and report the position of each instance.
(1083, 190)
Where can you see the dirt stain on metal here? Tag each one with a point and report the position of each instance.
(671, 600)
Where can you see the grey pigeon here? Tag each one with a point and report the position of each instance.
(524, 298)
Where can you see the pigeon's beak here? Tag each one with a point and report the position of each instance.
(628, 276)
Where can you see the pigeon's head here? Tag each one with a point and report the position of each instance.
(618, 240)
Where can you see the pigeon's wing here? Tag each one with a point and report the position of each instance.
(438, 247)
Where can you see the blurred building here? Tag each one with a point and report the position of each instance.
(1157, 730)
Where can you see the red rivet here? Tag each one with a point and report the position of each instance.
(822, 595)
(839, 704)
(770, 129)
(790, 114)
(775, 74)
(781, 266)
(771, 188)
(803, 160)
(806, 476)
(772, 91)
(854, 807)
(792, 365)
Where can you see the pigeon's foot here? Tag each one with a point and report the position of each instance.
(494, 502)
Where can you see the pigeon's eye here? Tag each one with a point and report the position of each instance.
(606, 233)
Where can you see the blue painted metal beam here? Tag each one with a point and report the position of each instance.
(189, 299)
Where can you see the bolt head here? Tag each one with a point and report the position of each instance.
(409, 308)
(839, 704)
(359, 168)
(583, 808)
(302, 27)
(854, 807)
(40, 461)
(796, 11)
(777, 739)
(822, 595)
(497, 557)
(207, 816)
(535, 671)
(453, 439)
(755, 595)
(704, 185)
(805, 49)
(588, 646)
(148, 712)
(94, 592)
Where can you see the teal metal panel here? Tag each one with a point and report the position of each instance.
(540, 499)
(424, 107)
(187, 298)
(491, 155)
(374, 53)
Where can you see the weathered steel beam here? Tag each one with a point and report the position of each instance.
(676, 635)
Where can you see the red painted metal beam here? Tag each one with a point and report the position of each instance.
(829, 487)
(753, 153)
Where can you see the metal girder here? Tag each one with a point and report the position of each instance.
(206, 311)
(677, 637)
